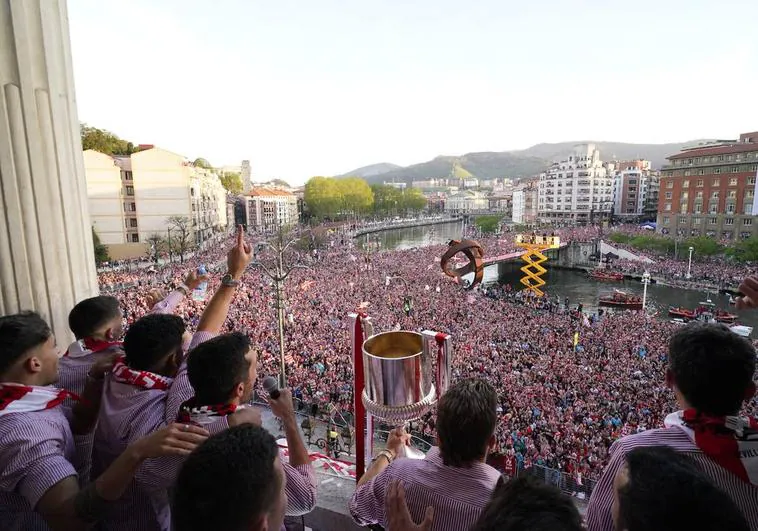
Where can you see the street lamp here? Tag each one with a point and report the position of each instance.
(689, 265)
(645, 282)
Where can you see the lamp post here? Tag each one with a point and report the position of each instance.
(689, 264)
(407, 300)
(278, 274)
(170, 255)
(645, 282)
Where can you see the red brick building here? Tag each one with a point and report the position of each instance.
(708, 190)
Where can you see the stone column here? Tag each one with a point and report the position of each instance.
(46, 255)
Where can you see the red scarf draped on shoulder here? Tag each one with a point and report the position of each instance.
(190, 413)
(18, 398)
(147, 380)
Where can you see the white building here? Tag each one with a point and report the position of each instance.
(634, 189)
(524, 203)
(576, 189)
(466, 201)
(268, 208)
(140, 192)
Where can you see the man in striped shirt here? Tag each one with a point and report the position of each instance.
(40, 449)
(453, 477)
(711, 373)
(144, 393)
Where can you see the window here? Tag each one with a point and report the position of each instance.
(192, 192)
(134, 238)
(735, 169)
(712, 221)
(670, 185)
(696, 220)
(701, 172)
(133, 223)
(698, 208)
(713, 209)
(716, 182)
(699, 194)
(751, 180)
(687, 173)
(686, 184)
(667, 207)
(700, 183)
(683, 208)
(682, 220)
(728, 157)
(728, 221)
(730, 208)
(748, 209)
(731, 194)
(733, 181)
(747, 222)
(715, 195)
(668, 195)
(130, 190)
(665, 220)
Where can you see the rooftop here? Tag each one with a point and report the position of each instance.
(269, 192)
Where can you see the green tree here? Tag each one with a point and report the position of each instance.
(323, 197)
(202, 163)
(703, 246)
(745, 250)
(414, 200)
(620, 237)
(101, 251)
(488, 224)
(232, 181)
(104, 141)
(356, 195)
(386, 198)
(180, 235)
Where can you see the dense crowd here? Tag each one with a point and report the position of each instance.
(561, 404)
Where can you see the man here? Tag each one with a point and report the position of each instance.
(232, 482)
(222, 372)
(144, 392)
(711, 372)
(658, 489)
(453, 478)
(97, 325)
(39, 449)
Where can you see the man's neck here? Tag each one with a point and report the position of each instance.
(24, 379)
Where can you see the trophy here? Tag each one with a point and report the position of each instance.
(399, 376)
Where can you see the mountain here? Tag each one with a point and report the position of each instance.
(370, 171)
(522, 163)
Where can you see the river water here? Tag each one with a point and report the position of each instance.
(560, 282)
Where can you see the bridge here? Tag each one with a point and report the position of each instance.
(509, 257)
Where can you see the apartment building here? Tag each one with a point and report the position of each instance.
(577, 189)
(270, 208)
(525, 203)
(132, 197)
(709, 190)
(634, 189)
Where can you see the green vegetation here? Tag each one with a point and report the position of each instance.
(327, 197)
(232, 182)
(202, 163)
(389, 200)
(744, 251)
(459, 172)
(703, 246)
(105, 142)
(488, 224)
(101, 251)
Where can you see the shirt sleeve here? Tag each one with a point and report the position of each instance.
(599, 510)
(301, 489)
(367, 504)
(169, 304)
(181, 389)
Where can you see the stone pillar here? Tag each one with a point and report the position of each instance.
(46, 255)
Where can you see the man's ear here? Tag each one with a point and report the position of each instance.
(260, 524)
(33, 364)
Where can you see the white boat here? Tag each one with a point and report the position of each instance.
(742, 330)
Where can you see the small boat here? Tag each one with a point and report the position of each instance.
(608, 276)
(707, 311)
(681, 313)
(619, 299)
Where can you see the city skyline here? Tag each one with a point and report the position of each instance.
(305, 90)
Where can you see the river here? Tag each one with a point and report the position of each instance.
(564, 283)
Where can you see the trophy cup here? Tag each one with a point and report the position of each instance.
(399, 376)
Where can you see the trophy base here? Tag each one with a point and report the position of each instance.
(400, 414)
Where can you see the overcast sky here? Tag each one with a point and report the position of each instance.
(307, 87)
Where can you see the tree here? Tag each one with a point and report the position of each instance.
(202, 163)
(232, 181)
(101, 251)
(356, 195)
(157, 245)
(703, 246)
(488, 224)
(323, 197)
(105, 141)
(745, 250)
(414, 200)
(180, 235)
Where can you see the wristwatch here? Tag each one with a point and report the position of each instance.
(389, 455)
(229, 282)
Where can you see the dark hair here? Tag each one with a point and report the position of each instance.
(90, 314)
(666, 491)
(19, 333)
(227, 482)
(466, 418)
(151, 339)
(215, 367)
(712, 367)
(527, 504)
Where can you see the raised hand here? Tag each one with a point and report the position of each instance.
(239, 256)
(396, 513)
(749, 290)
(154, 297)
(193, 280)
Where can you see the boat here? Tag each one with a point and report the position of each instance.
(742, 330)
(681, 313)
(707, 311)
(608, 276)
(620, 299)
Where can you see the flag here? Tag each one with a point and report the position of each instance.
(576, 339)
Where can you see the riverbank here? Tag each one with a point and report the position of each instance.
(403, 225)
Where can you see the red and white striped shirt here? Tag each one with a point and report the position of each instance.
(458, 495)
(599, 516)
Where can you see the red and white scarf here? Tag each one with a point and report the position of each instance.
(88, 345)
(732, 442)
(204, 415)
(18, 398)
(147, 380)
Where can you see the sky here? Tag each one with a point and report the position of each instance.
(304, 88)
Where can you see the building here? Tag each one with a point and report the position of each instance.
(246, 176)
(708, 190)
(132, 197)
(631, 186)
(399, 186)
(525, 203)
(576, 189)
(465, 202)
(269, 208)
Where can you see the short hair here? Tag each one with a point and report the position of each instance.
(712, 367)
(151, 339)
(90, 314)
(666, 491)
(527, 504)
(227, 482)
(466, 419)
(216, 366)
(19, 333)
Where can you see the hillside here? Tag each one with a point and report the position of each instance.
(523, 163)
(369, 171)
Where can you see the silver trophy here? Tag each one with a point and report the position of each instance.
(405, 373)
